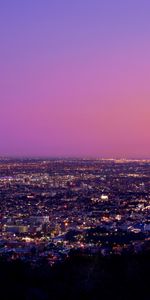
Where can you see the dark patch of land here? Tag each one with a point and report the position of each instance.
(80, 277)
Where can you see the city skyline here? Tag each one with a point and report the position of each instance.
(74, 79)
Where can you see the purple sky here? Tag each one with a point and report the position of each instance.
(75, 78)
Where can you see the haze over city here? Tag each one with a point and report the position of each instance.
(74, 78)
(74, 149)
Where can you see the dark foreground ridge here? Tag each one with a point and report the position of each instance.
(80, 277)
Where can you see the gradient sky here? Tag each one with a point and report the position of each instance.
(75, 78)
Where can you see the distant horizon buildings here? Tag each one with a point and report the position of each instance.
(72, 157)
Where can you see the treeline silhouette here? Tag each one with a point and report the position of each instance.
(79, 277)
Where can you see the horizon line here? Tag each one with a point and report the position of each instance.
(74, 157)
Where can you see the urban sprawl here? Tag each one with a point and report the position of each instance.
(50, 207)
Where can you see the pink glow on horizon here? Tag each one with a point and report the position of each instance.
(78, 96)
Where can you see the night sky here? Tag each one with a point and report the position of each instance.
(75, 78)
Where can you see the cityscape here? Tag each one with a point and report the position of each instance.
(75, 150)
(52, 207)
